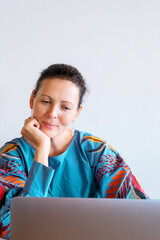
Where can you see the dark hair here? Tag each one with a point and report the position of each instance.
(63, 71)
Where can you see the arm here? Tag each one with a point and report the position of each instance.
(40, 141)
(15, 180)
(113, 176)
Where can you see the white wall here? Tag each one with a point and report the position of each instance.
(116, 46)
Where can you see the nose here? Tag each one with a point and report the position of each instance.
(53, 111)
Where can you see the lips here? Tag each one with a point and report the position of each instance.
(49, 125)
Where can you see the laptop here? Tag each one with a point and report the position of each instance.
(84, 219)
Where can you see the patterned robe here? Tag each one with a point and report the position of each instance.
(89, 168)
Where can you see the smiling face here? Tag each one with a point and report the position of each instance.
(55, 106)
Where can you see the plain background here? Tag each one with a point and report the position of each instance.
(116, 46)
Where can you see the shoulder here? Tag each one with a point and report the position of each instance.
(15, 147)
(93, 143)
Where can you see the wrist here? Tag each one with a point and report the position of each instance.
(41, 154)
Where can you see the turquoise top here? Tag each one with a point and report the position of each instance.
(89, 168)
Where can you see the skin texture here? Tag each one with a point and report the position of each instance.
(54, 107)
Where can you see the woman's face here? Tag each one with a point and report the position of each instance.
(55, 105)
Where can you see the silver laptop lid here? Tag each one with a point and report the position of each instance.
(84, 219)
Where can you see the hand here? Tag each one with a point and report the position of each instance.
(32, 133)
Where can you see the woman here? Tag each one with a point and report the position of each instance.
(51, 160)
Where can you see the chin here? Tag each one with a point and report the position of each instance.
(50, 134)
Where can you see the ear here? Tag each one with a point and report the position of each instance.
(78, 112)
(31, 99)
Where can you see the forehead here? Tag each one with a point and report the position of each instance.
(60, 87)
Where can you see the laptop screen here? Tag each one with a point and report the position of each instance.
(84, 219)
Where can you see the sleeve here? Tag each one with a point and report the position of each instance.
(15, 180)
(114, 178)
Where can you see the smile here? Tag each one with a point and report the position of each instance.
(49, 125)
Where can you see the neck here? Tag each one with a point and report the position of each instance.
(60, 143)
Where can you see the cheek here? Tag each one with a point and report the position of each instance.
(38, 111)
(66, 119)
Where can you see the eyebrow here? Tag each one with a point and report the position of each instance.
(52, 99)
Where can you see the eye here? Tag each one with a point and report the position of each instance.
(46, 101)
(65, 108)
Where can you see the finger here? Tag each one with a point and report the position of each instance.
(35, 123)
(32, 121)
(27, 120)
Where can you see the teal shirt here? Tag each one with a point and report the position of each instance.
(89, 168)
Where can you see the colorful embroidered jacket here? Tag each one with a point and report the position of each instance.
(89, 168)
